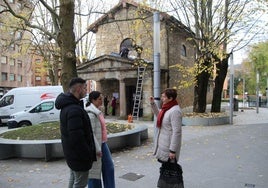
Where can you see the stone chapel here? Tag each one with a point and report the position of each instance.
(124, 36)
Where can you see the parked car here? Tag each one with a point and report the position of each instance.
(44, 111)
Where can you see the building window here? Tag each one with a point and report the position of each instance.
(37, 70)
(18, 47)
(3, 42)
(38, 61)
(1, 9)
(18, 35)
(12, 34)
(12, 62)
(12, 46)
(4, 59)
(126, 47)
(19, 63)
(12, 77)
(11, 1)
(4, 76)
(183, 50)
(19, 78)
(19, 6)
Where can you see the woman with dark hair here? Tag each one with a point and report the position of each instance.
(169, 122)
(104, 165)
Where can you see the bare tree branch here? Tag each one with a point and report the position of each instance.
(27, 22)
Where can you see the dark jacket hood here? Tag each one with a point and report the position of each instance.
(65, 99)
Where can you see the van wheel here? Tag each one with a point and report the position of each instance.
(24, 124)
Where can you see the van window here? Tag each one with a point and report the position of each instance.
(7, 100)
(43, 107)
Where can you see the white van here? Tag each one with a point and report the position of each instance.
(44, 111)
(23, 98)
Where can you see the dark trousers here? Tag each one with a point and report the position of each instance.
(106, 110)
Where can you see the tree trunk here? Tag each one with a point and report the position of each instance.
(222, 68)
(200, 92)
(66, 41)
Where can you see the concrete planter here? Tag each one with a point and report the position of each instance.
(129, 138)
(46, 149)
(49, 149)
(206, 121)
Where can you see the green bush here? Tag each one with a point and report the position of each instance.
(51, 131)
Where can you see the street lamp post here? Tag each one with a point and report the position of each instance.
(257, 92)
(267, 91)
(231, 92)
(243, 92)
(157, 58)
(156, 64)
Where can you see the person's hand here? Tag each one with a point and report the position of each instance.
(99, 154)
(151, 99)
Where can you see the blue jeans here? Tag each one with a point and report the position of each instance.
(78, 179)
(107, 170)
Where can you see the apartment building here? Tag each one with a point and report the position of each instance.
(15, 63)
(39, 75)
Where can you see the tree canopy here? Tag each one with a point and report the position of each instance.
(258, 63)
(221, 28)
(58, 28)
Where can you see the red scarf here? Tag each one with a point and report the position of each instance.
(163, 110)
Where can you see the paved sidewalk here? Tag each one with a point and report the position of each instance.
(212, 157)
(234, 156)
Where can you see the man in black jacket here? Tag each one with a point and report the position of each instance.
(76, 133)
